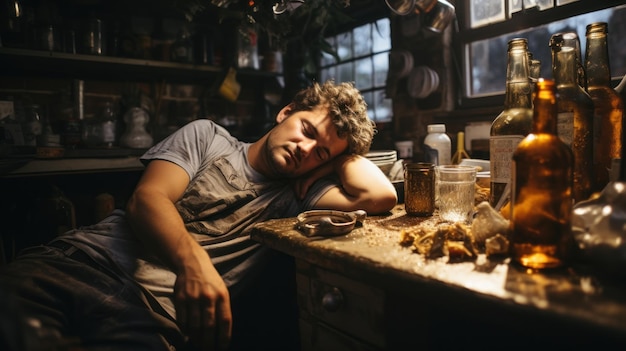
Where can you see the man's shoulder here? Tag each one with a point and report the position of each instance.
(207, 126)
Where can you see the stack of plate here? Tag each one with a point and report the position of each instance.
(384, 159)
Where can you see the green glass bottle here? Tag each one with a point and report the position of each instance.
(512, 124)
(575, 111)
(608, 106)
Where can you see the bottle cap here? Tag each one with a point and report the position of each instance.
(436, 128)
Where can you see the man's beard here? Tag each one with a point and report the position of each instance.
(276, 161)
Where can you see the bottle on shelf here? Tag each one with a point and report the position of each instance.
(72, 115)
(182, 48)
(91, 131)
(512, 124)
(608, 106)
(32, 127)
(48, 137)
(542, 186)
(14, 24)
(534, 72)
(437, 145)
(575, 111)
(108, 120)
(581, 73)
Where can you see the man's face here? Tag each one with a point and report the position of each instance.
(302, 141)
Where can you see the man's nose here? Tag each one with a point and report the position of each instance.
(307, 146)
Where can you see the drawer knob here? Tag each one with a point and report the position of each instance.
(332, 300)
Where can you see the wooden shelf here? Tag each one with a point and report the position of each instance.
(40, 167)
(63, 65)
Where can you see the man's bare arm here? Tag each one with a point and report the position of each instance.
(200, 295)
(363, 186)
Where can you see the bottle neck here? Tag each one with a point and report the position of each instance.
(597, 60)
(545, 110)
(518, 89)
(564, 69)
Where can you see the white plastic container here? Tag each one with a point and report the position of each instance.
(437, 145)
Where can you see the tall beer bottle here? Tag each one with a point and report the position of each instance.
(575, 111)
(608, 106)
(542, 188)
(512, 124)
(534, 74)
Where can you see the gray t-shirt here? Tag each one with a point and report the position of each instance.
(225, 196)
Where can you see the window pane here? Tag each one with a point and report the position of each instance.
(369, 100)
(514, 6)
(383, 107)
(364, 73)
(345, 73)
(344, 46)
(381, 66)
(364, 60)
(363, 44)
(485, 12)
(488, 57)
(542, 4)
(328, 59)
(382, 35)
(328, 73)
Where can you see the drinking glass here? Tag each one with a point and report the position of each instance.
(456, 192)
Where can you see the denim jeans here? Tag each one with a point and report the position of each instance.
(57, 302)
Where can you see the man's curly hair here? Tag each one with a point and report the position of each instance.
(347, 109)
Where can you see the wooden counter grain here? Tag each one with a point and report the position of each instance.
(482, 302)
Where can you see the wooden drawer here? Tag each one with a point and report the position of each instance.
(349, 306)
(323, 338)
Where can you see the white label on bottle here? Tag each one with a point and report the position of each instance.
(501, 150)
(565, 127)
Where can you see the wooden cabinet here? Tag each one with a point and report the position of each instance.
(338, 313)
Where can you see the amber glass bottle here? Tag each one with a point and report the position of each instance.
(575, 111)
(542, 188)
(513, 123)
(608, 106)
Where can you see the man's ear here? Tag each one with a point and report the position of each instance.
(283, 113)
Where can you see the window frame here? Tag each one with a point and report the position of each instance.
(519, 21)
(372, 15)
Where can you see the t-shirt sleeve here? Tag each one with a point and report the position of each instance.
(187, 147)
(319, 188)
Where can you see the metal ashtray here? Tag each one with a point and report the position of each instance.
(328, 222)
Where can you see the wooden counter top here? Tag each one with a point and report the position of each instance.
(372, 254)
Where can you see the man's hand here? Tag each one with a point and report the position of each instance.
(203, 304)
